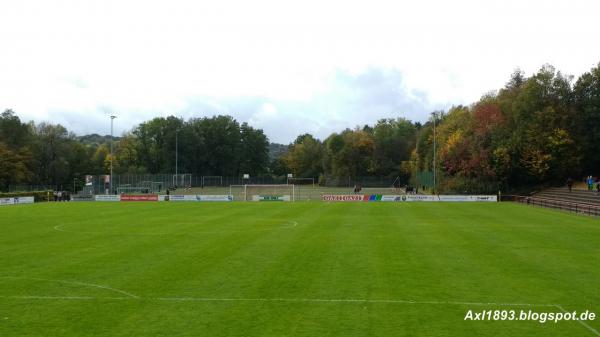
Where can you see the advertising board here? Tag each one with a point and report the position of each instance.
(107, 197)
(445, 198)
(82, 197)
(139, 197)
(193, 197)
(343, 197)
(24, 200)
(268, 197)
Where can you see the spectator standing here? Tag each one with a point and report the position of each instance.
(570, 183)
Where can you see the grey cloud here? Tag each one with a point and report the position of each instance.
(351, 100)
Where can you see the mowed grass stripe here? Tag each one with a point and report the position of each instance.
(328, 276)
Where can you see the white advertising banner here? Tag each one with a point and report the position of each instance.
(7, 201)
(263, 197)
(107, 197)
(445, 198)
(16, 201)
(393, 198)
(196, 198)
(419, 197)
(485, 198)
(23, 200)
(216, 197)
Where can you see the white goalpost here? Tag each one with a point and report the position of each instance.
(301, 181)
(274, 192)
(182, 180)
(212, 181)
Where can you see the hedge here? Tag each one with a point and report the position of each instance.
(39, 196)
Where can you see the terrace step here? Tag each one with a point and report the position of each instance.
(575, 195)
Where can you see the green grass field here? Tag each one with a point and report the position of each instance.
(295, 269)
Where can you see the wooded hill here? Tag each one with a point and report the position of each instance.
(538, 129)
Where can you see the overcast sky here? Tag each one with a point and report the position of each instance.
(287, 67)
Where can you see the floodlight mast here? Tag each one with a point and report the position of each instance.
(112, 117)
(434, 166)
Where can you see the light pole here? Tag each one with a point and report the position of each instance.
(110, 189)
(176, 152)
(434, 150)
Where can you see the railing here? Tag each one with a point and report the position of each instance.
(575, 207)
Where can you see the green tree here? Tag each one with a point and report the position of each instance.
(13, 166)
(393, 141)
(587, 118)
(254, 155)
(305, 157)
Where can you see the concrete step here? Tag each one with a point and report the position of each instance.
(580, 201)
(588, 198)
(587, 195)
(555, 189)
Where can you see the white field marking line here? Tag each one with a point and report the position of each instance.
(287, 224)
(61, 229)
(350, 300)
(296, 300)
(584, 324)
(50, 297)
(122, 292)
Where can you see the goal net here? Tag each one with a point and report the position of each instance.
(182, 180)
(209, 181)
(263, 192)
(302, 181)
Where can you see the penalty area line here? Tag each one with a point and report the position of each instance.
(584, 324)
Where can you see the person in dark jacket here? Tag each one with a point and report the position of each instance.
(570, 183)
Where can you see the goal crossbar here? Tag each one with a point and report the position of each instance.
(248, 190)
(301, 181)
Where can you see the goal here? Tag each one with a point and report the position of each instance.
(301, 181)
(182, 180)
(263, 192)
(212, 181)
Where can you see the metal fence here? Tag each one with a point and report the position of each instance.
(31, 188)
(159, 183)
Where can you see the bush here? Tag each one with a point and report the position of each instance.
(38, 196)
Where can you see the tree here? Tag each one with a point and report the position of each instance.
(13, 166)
(13, 133)
(254, 155)
(350, 153)
(305, 157)
(50, 153)
(587, 119)
(393, 141)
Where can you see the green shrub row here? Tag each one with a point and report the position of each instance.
(39, 196)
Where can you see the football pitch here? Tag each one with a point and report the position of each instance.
(294, 269)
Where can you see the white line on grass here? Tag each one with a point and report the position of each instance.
(287, 224)
(50, 297)
(122, 292)
(584, 324)
(344, 300)
(296, 300)
(130, 296)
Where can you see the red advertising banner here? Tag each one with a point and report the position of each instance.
(143, 197)
(349, 197)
